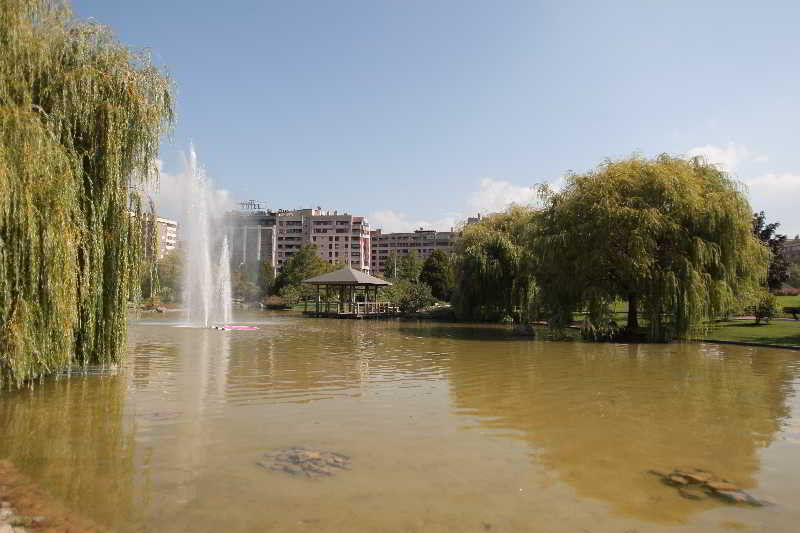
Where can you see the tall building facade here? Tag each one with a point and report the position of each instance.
(791, 249)
(167, 235)
(424, 242)
(257, 235)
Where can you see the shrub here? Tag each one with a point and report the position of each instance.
(787, 292)
(766, 308)
(415, 297)
(276, 302)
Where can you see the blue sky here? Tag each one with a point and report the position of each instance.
(422, 112)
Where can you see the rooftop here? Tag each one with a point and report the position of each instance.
(346, 276)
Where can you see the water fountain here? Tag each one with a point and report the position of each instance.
(207, 284)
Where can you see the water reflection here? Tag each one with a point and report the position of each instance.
(446, 424)
(69, 435)
(600, 416)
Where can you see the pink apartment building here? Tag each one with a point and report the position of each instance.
(424, 242)
(257, 235)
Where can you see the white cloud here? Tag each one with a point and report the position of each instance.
(775, 182)
(492, 196)
(393, 221)
(497, 195)
(728, 158)
(777, 195)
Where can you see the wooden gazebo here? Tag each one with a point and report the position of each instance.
(357, 295)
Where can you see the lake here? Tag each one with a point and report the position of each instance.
(448, 427)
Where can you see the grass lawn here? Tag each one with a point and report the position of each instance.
(621, 309)
(777, 332)
(787, 301)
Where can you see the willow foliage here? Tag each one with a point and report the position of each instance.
(671, 235)
(81, 118)
(494, 268)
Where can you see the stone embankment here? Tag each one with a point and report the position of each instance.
(13, 522)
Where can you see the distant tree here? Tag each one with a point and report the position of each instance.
(266, 278)
(794, 275)
(170, 276)
(493, 267)
(290, 293)
(244, 289)
(304, 264)
(404, 266)
(778, 271)
(409, 296)
(437, 273)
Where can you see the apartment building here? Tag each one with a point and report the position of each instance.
(167, 235)
(424, 242)
(791, 249)
(251, 235)
(257, 234)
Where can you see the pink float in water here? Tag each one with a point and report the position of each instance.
(237, 328)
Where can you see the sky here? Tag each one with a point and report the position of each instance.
(421, 113)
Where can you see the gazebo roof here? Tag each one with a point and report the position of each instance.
(346, 276)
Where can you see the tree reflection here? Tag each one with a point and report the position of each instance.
(600, 416)
(68, 434)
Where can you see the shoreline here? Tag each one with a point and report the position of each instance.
(25, 507)
(746, 343)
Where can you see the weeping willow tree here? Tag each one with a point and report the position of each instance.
(81, 118)
(494, 268)
(671, 236)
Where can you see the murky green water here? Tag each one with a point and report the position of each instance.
(450, 428)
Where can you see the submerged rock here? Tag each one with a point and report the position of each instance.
(721, 486)
(739, 496)
(699, 485)
(676, 479)
(698, 476)
(693, 492)
(304, 461)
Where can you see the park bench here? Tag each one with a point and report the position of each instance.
(794, 311)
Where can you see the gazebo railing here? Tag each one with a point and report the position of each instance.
(355, 308)
(367, 308)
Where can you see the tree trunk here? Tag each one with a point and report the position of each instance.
(633, 312)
